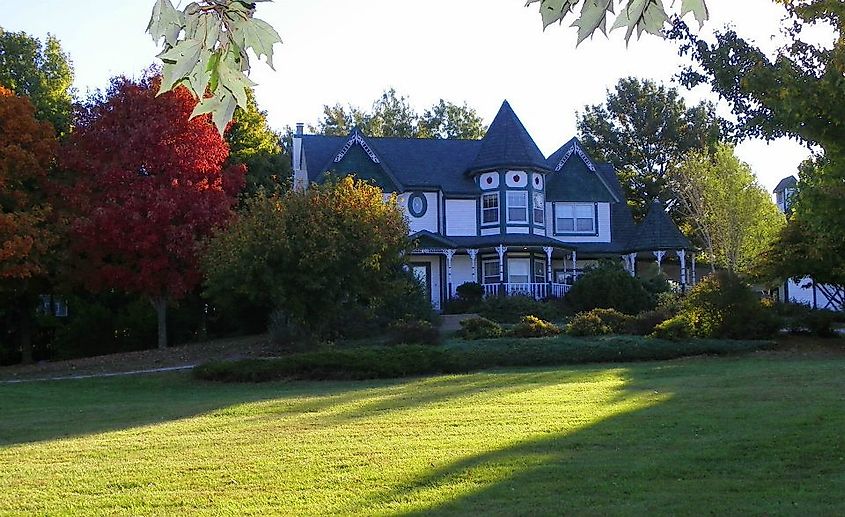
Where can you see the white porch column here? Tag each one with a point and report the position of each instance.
(574, 265)
(473, 256)
(659, 256)
(449, 254)
(694, 280)
(632, 258)
(549, 250)
(501, 250)
(682, 256)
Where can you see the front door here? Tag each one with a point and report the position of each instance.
(422, 272)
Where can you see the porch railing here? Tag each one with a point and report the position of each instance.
(536, 291)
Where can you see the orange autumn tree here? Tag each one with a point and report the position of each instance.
(27, 149)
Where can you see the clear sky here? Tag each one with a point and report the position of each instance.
(479, 51)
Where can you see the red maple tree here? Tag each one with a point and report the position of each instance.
(27, 150)
(148, 183)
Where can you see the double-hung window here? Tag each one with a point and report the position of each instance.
(490, 208)
(519, 271)
(490, 270)
(575, 218)
(518, 206)
(539, 208)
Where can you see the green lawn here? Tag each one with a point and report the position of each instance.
(755, 435)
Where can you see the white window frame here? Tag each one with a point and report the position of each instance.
(523, 194)
(492, 210)
(485, 277)
(539, 212)
(576, 213)
(539, 271)
(527, 276)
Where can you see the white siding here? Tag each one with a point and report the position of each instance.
(490, 231)
(429, 220)
(520, 230)
(461, 271)
(461, 218)
(603, 226)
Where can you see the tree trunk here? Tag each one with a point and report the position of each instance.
(160, 305)
(26, 335)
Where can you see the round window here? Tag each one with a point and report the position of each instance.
(417, 204)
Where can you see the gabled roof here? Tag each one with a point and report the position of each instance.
(578, 178)
(417, 164)
(658, 232)
(507, 144)
(785, 183)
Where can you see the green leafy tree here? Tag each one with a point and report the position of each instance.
(638, 16)
(314, 254)
(43, 73)
(393, 116)
(799, 93)
(729, 213)
(645, 130)
(254, 144)
(206, 50)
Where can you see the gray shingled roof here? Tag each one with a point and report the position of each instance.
(658, 232)
(785, 183)
(507, 144)
(576, 182)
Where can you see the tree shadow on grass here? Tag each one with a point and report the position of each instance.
(742, 440)
(40, 411)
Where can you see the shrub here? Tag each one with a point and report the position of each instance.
(609, 286)
(479, 328)
(413, 332)
(820, 323)
(532, 326)
(723, 306)
(615, 320)
(462, 357)
(587, 324)
(643, 324)
(470, 292)
(511, 309)
(675, 329)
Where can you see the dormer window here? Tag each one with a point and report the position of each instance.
(518, 206)
(490, 208)
(575, 218)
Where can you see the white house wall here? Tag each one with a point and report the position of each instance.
(429, 220)
(461, 271)
(802, 292)
(461, 217)
(603, 226)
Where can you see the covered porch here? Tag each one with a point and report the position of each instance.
(532, 266)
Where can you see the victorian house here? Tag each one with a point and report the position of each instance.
(497, 212)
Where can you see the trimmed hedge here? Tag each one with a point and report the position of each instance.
(464, 356)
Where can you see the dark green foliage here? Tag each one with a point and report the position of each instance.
(609, 286)
(462, 357)
(723, 306)
(510, 309)
(587, 324)
(532, 326)
(675, 329)
(645, 129)
(479, 328)
(470, 292)
(393, 116)
(643, 324)
(800, 318)
(413, 332)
